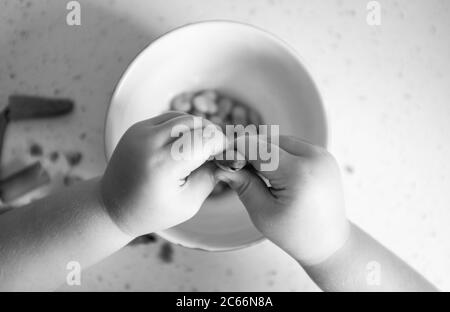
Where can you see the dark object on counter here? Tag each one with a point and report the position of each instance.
(4, 209)
(74, 158)
(69, 180)
(22, 107)
(36, 150)
(54, 156)
(3, 124)
(166, 253)
(23, 181)
(29, 107)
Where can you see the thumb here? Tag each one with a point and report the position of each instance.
(250, 188)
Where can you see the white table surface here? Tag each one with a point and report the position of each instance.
(385, 89)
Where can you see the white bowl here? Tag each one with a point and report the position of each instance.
(240, 60)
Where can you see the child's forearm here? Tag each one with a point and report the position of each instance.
(39, 240)
(363, 264)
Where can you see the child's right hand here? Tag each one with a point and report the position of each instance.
(145, 189)
(303, 210)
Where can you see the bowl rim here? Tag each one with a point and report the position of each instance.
(272, 37)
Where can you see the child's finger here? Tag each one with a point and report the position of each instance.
(163, 118)
(200, 183)
(194, 148)
(252, 191)
(170, 130)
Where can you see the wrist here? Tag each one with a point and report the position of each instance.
(108, 208)
(326, 247)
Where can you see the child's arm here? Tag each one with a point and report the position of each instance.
(303, 213)
(363, 264)
(39, 240)
(143, 190)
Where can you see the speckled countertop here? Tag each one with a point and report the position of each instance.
(386, 92)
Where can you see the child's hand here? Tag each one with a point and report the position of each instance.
(145, 189)
(303, 210)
